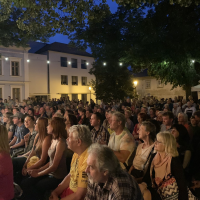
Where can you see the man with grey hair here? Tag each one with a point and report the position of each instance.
(121, 141)
(106, 179)
(74, 186)
(190, 110)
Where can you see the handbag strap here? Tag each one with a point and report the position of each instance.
(148, 158)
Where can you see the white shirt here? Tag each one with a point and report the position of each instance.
(123, 141)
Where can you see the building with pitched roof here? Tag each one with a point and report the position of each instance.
(150, 86)
(45, 71)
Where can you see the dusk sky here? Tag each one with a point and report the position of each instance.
(64, 39)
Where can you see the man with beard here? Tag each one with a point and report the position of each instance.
(106, 178)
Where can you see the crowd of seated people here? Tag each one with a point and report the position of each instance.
(131, 149)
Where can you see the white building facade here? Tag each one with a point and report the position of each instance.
(150, 86)
(55, 70)
(14, 73)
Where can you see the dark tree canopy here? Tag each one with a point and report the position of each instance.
(24, 20)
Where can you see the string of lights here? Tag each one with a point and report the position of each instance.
(69, 62)
(48, 61)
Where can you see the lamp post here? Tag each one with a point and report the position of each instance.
(90, 92)
(135, 85)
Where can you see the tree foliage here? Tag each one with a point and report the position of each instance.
(112, 81)
(137, 3)
(24, 20)
(168, 44)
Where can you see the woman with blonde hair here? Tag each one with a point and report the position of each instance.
(165, 177)
(6, 168)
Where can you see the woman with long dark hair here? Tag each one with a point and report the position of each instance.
(182, 139)
(49, 176)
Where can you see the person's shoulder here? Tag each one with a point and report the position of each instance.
(127, 135)
(121, 180)
(102, 128)
(176, 159)
(140, 146)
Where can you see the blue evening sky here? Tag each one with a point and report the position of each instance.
(64, 39)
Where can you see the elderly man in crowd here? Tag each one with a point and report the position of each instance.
(74, 186)
(121, 141)
(106, 178)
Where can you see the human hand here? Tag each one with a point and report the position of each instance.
(53, 196)
(24, 171)
(33, 172)
(196, 184)
(26, 138)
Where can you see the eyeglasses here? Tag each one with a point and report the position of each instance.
(158, 142)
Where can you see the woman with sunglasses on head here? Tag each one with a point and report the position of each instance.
(164, 172)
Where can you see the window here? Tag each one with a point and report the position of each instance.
(65, 96)
(15, 68)
(83, 64)
(74, 96)
(148, 84)
(63, 61)
(74, 63)
(64, 80)
(16, 93)
(160, 84)
(84, 80)
(84, 98)
(74, 80)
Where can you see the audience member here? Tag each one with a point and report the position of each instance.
(74, 186)
(141, 117)
(121, 141)
(190, 110)
(6, 168)
(182, 140)
(106, 178)
(168, 118)
(147, 133)
(99, 133)
(50, 175)
(164, 170)
(28, 138)
(20, 131)
(129, 123)
(8, 122)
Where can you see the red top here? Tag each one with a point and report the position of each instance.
(6, 177)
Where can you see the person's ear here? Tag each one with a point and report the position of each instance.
(105, 173)
(119, 123)
(79, 142)
(147, 133)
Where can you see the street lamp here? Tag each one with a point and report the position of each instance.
(134, 88)
(90, 92)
